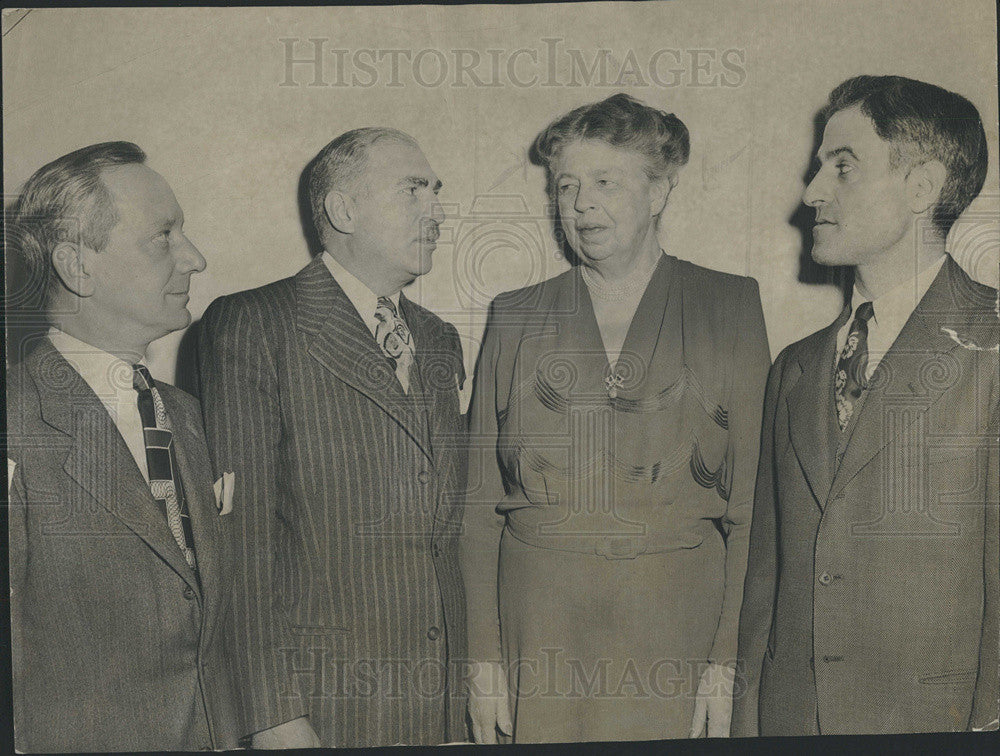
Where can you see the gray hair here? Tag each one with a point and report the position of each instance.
(621, 121)
(342, 163)
(66, 200)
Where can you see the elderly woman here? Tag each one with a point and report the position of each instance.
(614, 433)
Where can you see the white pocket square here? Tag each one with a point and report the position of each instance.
(11, 467)
(224, 492)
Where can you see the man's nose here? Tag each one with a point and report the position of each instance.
(815, 192)
(190, 259)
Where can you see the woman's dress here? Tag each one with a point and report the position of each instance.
(608, 507)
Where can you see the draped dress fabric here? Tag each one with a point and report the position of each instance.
(607, 510)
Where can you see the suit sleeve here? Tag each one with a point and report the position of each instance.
(240, 403)
(751, 359)
(479, 544)
(985, 703)
(762, 572)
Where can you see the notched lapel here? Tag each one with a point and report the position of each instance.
(812, 423)
(196, 476)
(341, 342)
(922, 364)
(99, 460)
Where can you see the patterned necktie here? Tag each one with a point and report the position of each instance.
(850, 379)
(394, 339)
(161, 459)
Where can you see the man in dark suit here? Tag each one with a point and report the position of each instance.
(335, 400)
(871, 596)
(119, 571)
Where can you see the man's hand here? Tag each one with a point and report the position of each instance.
(297, 733)
(489, 704)
(714, 701)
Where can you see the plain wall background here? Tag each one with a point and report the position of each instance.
(201, 91)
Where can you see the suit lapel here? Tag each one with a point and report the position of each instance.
(440, 372)
(920, 366)
(432, 362)
(99, 461)
(196, 475)
(812, 422)
(342, 343)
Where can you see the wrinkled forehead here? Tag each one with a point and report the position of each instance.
(392, 159)
(595, 155)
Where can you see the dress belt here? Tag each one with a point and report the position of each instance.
(609, 547)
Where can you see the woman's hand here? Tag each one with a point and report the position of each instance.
(489, 704)
(714, 701)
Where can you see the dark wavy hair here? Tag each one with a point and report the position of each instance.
(622, 121)
(923, 122)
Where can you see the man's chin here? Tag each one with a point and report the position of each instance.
(824, 255)
(424, 265)
(180, 320)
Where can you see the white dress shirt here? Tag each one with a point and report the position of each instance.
(891, 310)
(111, 379)
(365, 302)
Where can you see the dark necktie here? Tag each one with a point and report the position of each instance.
(161, 459)
(850, 379)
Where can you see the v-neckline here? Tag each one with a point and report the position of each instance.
(631, 334)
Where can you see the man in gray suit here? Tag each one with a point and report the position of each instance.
(335, 401)
(871, 595)
(119, 568)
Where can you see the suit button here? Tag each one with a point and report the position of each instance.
(435, 550)
(423, 477)
(434, 632)
(825, 578)
(188, 592)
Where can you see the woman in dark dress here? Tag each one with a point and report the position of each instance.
(614, 435)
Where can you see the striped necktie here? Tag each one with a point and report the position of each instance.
(161, 459)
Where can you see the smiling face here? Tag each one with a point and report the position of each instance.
(607, 204)
(142, 276)
(397, 212)
(859, 197)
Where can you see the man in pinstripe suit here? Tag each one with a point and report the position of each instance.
(335, 401)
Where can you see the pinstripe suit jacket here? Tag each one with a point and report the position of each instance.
(117, 646)
(350, 605)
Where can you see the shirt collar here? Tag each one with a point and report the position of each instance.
(105, 373)
(899, 302)
(363, 298)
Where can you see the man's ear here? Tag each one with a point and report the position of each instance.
(69, 259)
(340, 211)
(924, 183)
